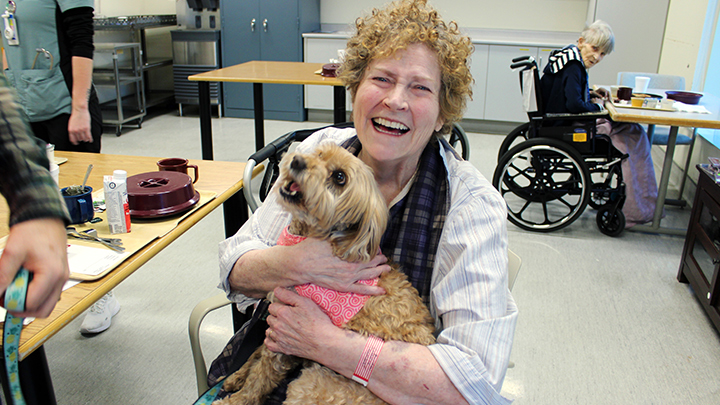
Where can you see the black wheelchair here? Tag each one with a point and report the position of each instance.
(550, 168)
(275, 150)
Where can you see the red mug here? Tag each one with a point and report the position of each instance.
(177, 165)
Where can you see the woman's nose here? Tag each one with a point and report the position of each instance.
(396, 99)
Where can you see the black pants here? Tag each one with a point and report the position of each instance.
(55, 130)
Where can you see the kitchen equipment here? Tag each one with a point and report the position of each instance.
(159, 194)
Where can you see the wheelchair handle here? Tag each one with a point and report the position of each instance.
(247, 184)
(522, 61)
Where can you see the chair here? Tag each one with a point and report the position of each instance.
(550, 168)
(659, 135)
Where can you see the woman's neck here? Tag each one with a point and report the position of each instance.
(391, 176)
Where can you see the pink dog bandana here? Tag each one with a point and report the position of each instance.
(339, 306)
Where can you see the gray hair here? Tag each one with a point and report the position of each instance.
(601, 35)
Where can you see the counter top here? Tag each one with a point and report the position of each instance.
(479, 36)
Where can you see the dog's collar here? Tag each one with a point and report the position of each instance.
(339, 306)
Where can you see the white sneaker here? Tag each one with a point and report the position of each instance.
(99, 316)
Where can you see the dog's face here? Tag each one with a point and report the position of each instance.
(334, 194)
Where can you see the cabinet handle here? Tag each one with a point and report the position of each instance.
(252, 25)
(265, 25)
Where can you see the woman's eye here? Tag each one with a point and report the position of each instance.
(338, 177)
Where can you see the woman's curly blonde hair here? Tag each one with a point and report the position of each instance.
(409, 22)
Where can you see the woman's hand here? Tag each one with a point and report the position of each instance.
(601, 93)
(79, 126)
(297, 326)
(315, 259)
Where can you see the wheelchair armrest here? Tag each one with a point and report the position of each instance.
(580, 116)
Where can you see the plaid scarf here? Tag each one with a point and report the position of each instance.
(416, 222)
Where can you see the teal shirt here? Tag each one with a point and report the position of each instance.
(39, 81)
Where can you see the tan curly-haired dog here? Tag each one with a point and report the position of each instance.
(333, 195)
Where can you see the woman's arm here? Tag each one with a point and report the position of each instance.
(576, 89)
(79, 123)
(405, 373)
(78, 25)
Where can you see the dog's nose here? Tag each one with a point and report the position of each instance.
(298, 163)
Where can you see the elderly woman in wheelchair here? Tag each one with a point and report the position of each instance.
(559, 104)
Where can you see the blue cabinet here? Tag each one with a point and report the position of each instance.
(266, 30)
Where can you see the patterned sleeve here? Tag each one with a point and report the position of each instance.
(25, 181)
(470, 298)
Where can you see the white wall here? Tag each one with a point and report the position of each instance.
(117, 8)
(543, 15)
(683, 34)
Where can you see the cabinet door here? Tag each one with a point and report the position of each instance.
(240, 43)
(503, 101)
(321, 50)
(478, 68)
(279, 41)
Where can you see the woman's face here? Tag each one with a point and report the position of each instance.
(396, 107)
(591, 54)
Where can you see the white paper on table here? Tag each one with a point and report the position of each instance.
(92, 261)
(690, 108)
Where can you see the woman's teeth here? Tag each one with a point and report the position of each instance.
(390, 125)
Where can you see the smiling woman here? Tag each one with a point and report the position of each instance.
(407, 72)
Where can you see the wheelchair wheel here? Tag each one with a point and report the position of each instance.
(459, 141)
(515, 137)
(545, 184)
(610, 223)
(605, 191)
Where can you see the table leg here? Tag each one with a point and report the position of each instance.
(35, 380)
(662, 192)
(205, 120)
(339, 104)
(259, 116)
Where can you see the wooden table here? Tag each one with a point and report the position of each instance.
(674, 119)
(222, 178)
(259, 72)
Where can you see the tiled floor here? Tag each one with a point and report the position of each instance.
(602, 320)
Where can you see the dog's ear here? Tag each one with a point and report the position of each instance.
(361, 241)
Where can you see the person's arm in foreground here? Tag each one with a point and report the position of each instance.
(38, 214)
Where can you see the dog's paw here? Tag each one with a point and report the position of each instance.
(233, 383)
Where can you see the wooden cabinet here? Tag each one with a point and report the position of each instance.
(266, 30)
(701, 254)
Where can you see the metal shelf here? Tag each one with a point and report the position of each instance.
(127, 71)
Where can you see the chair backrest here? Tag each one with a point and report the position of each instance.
(657, 81)
(514, 263)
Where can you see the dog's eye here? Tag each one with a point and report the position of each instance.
(338, 177)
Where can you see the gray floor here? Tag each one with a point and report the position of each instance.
(602, 320)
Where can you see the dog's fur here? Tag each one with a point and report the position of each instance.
(333, 195)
